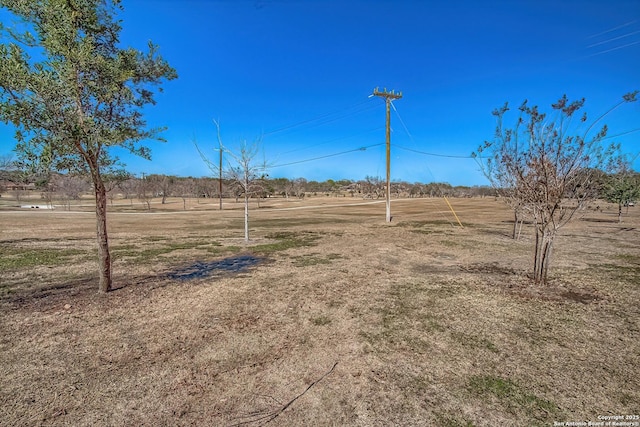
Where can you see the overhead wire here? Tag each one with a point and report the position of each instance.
(621, 134)
(614, 39)
(613, 29)
(402, 122)
(426, 166)
(364, 148)
(320, 120)
(325, 118)
(451, 156)
(613, 36)
(306, 147)
(614, 48)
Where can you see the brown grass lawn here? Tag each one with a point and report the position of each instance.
(335, 317)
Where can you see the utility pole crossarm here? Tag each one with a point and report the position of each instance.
(388, 97)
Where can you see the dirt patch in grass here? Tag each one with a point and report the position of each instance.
(329, 316)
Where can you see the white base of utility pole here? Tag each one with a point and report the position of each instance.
(388, 210)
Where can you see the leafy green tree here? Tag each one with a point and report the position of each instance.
(622, 188)
(72, 93)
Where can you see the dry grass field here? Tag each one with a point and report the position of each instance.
(328, 317)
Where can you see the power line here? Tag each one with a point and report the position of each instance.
(332, 140)
(325, 118)
(402, 122)
(621, 134)
(451, 156)
(329, 155)
(613, 29)
(614, 39)
(426, 165)
(614, 48)
(413, 141)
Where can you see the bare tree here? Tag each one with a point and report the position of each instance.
(69, 187)
(246, 171)
(161, 185)
(10, 172)
(113, 181)
(502, 179)
(128, 187)
(299, 187)
(45, 183)
(185, 188)
(284, 186)
(547, 164)
(242, 168)
(7, 170)
(145, 191)
(20, 188)
(7, 167)
(373, 187)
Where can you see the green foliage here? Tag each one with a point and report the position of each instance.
(145, 255)
(451, 420)
(17, 258)
(314, 259)
(622, 188)
(72, 94)
(69, 90)
(286, 240)
(321, 320)
(513, 396)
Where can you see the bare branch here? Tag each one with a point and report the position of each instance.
(542, 168)
(270, 416)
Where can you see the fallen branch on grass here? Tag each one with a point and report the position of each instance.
(267, 418)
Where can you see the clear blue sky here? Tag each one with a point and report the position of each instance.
(260, 66)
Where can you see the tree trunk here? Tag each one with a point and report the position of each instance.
(515, 223)
(620, 212)
(546, 260)
(104, 257)
(542, 255)
(246, 216)
(520, 229)
(536, 256)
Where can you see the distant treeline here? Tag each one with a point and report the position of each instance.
(65, 186)
(146, 187)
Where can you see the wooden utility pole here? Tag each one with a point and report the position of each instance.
(388, 96)
(217, 123)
